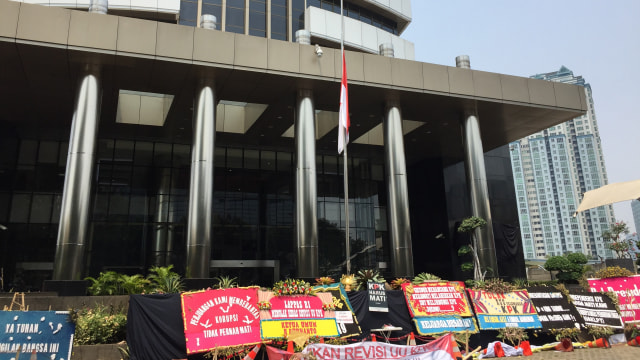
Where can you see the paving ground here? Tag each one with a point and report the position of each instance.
(617, 352)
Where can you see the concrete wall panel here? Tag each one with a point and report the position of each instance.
(406, 73)
(175, 41)
(250, 51)
(41, 23)
(137, 36)
(9, 18)
(487, 85)
(325, 65)
(207, 44)
(284, 56)
(541, 92)
(461, 81)
(377, 69)
(436, 77)
(514, 88)
(567, 95)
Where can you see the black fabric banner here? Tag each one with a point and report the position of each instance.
(596, 309)
(553, 307)
(154, 327)
(398, 314)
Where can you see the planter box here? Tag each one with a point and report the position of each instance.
(96, 352)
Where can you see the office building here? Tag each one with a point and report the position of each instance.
(130, 140)
(552, 168)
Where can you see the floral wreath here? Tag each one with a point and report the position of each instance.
(264, 305)
(328, 307)
(291, 287)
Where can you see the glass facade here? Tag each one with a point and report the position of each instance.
(235, 15)
(140, 207)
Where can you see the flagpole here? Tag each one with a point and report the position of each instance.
(346, 174)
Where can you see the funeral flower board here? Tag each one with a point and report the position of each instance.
(501, 310)
(627, 289)
(219, 318)
(427, 325)
(341, 309)
(596, 309)
(554, 309)
(437, 298)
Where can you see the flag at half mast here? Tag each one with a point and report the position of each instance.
(343, 116)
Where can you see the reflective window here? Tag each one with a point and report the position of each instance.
(213, 7)
(297, 17)
(258, 18)
(356, 12)
(279, 19)
(188, 12)
(235, 16)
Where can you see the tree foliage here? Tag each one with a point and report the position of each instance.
(570, 267)
(468, 226)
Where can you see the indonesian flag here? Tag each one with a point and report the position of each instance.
(343, 117)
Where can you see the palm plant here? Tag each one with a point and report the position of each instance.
(364, 276)
(133, 284)
(424, 277)
(164, 280)
(108, 283)
(397, 283)
(225, 282)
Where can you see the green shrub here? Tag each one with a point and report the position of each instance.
(113, 283)
(99, 325)
(570, 267)
(612, 271)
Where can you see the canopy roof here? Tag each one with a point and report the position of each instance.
(610, 194)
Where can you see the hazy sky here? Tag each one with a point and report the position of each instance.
(597, 39)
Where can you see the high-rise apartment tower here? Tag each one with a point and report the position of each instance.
(552, 169)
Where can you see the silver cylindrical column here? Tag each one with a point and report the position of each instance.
(98, 6)
(208, 21)
(201, 187)
(162, 226)
(463, 62)
(386, 49)
(398, 197)
(306, 218)
(76, 196)
(303, 37)
(477, 182)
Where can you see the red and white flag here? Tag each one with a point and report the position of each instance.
(343, 117)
